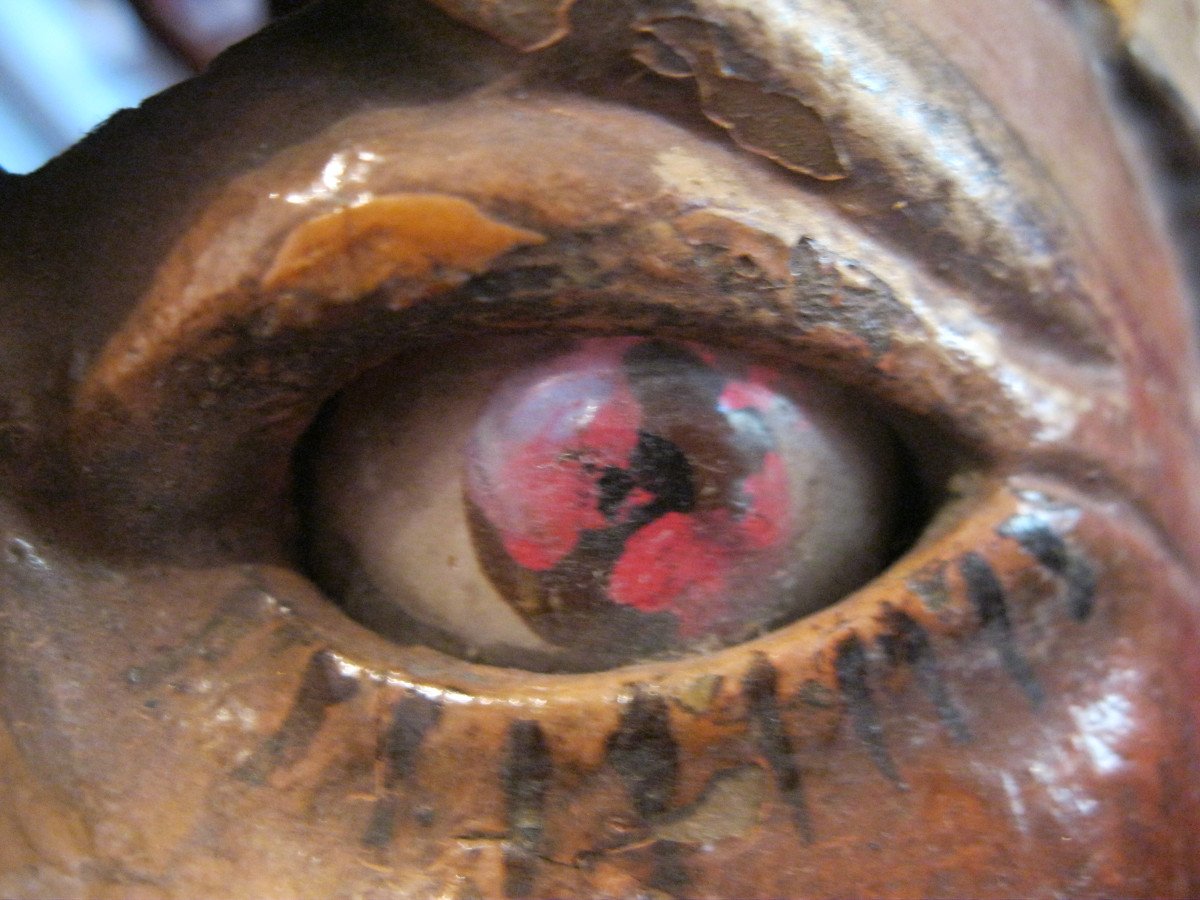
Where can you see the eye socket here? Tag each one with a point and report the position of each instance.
(184, 431)
(573, 505)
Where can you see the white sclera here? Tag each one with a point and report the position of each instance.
(408, 440)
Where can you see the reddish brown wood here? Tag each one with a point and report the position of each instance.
(930, 205)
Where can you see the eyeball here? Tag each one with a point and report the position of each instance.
(582, 504)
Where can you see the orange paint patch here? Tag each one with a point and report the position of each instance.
(352, 251)
(1126, 12)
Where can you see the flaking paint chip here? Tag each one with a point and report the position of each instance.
(353, 250)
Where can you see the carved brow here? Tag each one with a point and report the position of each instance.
(853, 99)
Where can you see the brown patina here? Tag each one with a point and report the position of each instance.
(928, 203)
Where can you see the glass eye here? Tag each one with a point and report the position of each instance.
(580, 504)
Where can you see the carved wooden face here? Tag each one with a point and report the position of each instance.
(601, 450)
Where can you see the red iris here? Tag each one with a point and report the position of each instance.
(635, 474)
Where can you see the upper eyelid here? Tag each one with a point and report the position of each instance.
(864, 97)
(211, 291)
(236, 244)
(932, 177)
(940, 176)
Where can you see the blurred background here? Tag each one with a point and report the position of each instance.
(67, 65)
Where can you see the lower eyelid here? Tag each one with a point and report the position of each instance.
(987, 599)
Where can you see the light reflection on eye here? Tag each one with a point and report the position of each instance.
(575, 505)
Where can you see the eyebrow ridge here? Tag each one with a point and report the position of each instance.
(930, 168)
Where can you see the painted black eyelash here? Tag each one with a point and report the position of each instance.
(1052, 551)
(322, 686)
(861, 676)
(761, 689)
(850, 666)
(399, 743)
(906, 642)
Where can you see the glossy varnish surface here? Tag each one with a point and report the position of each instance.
(1009, 709)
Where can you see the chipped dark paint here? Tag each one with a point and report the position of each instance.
(779, 125)
(936, 175)
(412, 719)
(525, 776)
(850, 667)
(930, 585)
(914, 167)
(760, 687)
(1039, 539)
(987, 597)
(906, 642)
(381, 827)
(644, 753)
(321, 686)
(843, 293)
